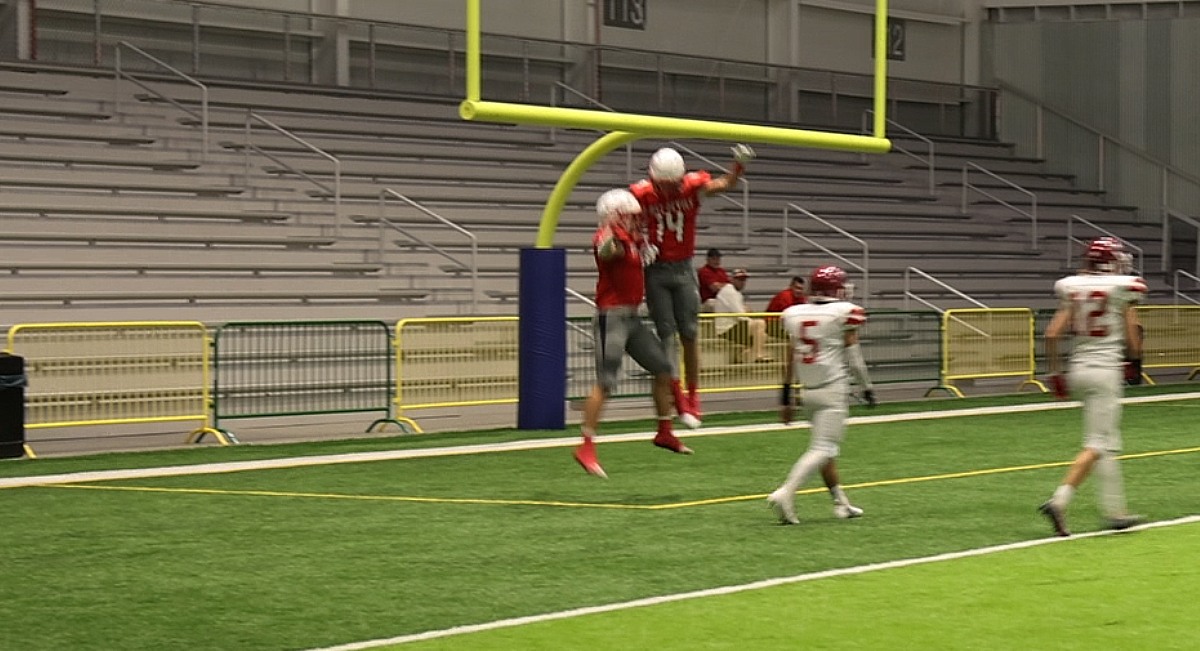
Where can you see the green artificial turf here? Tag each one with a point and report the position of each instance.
(324, 555)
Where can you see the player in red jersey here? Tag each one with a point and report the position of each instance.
(670, 200)
(618, 246)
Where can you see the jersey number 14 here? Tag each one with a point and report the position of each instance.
(671, 220)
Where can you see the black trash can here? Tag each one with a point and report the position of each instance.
(12, 406)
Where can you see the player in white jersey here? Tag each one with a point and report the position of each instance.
(823, 335)
(1097, 307)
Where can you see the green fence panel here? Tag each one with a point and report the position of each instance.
(288, 368)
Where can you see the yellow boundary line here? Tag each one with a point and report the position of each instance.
(591, 505)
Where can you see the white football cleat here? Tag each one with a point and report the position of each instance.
(689, 419)
(847, 511)
(783, 502)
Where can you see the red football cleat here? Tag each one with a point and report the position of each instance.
(585, 455)
(682, 404)
(668, 441)
(694, 403)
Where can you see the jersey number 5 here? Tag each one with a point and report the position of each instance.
(808, 353)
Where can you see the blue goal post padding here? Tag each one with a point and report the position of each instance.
(542, 366)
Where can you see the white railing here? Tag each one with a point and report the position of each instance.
(1074, 242)
(1168, 215)
(581, 297)
(930, 162)
(1179, 292)
(864, 267)
(120, 73)
(385, 222)
(336, 190)
(908, 293)
(1031, 213)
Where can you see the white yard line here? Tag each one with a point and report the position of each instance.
(757, 585)
(531, 444)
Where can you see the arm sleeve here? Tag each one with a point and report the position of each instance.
(858, 366)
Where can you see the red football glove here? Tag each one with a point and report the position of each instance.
(1058, 384)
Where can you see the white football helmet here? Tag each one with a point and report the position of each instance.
(666, 165)
(617, 203)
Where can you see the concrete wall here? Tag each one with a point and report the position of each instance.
(833, 34)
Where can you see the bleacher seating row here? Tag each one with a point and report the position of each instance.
(120, 205)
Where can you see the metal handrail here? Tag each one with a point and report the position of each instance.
(581, 297)
(598, 104)
(119, 73)
(375, 34)
(909, 294)
(309, 15)
(865, 267)
(931, 163)
(1103, 137)
(384, 221)
(1168, 215)
(336, 190)
(1031, 214)
(1071, 239)
(1178, 293)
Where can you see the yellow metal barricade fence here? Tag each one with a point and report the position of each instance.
(1172, 337)
(980, 343)
(730, 357)
(114, 373)
(456, 362)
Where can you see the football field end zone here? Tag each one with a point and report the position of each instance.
(746, 587)
(530, 444)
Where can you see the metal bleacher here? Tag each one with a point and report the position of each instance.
(126, 209)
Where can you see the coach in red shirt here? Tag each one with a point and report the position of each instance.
(712, 277)
(792, 295)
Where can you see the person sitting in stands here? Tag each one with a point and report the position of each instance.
(749, 333)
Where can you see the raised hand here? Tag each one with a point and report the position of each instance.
(742, 153)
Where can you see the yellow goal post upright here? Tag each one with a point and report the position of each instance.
(542, 282)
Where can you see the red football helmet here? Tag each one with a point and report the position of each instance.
(1106, 255)
(829, 281)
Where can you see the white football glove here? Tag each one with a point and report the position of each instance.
(649, 254)
(742, 153)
